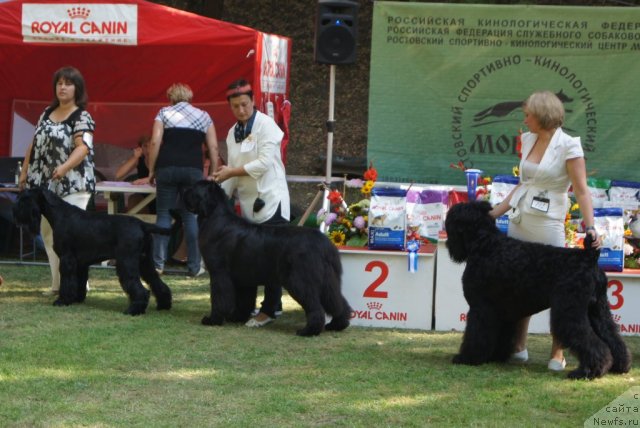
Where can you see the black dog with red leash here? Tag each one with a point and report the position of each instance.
(241, 255)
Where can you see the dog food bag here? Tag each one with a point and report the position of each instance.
(598, 188)
(609, 224)
(387, 219)
(426, 210)
(500, 188)
(624, 194)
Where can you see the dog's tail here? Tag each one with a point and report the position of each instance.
(593, 252)
(152, 228)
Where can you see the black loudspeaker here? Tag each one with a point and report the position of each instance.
(336, 31)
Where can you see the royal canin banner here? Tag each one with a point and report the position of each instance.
(99, 23)
(130, 52)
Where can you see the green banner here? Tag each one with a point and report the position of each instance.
(448, 81)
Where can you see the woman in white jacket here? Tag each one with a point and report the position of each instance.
(255, 173)
(551, 162)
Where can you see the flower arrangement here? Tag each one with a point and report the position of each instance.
(571, 222)
(349, 224)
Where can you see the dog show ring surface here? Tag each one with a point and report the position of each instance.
(383, 292)
(451, 307)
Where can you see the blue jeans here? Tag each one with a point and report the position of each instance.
(171, 181)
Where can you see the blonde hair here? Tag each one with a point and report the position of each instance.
(547, 108)
(179, 92)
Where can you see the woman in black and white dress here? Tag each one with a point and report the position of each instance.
(60, 157)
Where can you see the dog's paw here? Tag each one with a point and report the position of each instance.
(60, 302)
(457, 359)
(463, 359)
(308, 332)
(581, 373)
(136, 309)
(162, 306)
(620, 367)
(621, 362)
(337, 325)
(209, 320)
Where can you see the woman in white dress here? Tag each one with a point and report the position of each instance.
(551, 162)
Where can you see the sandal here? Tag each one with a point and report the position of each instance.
(557, 366)
(254, 323)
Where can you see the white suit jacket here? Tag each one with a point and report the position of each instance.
(551, 180)
(259, 153)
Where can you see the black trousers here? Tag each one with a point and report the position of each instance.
(272, 292)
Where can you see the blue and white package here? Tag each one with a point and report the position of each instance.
(501, 186)
(609, 224)
(387, 219)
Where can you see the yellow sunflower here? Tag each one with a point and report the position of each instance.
(366, 187)
(337, 237)
(346, 222)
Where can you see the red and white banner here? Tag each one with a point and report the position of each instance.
(274, 64)
(80, 23)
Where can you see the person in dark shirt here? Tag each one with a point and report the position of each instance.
(175, 163)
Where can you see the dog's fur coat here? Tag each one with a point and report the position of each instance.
(240, 255)
(506, 280)
(82, 238)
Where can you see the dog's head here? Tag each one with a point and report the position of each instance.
(465, 223)
(26, 211)
(32, 204)
(204, 197)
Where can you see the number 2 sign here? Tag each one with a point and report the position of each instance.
(371, 291)
(383, 293)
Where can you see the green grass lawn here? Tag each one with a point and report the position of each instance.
(90, 365)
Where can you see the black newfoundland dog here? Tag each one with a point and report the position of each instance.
(506, 280)
(82, 238)
(240, 255)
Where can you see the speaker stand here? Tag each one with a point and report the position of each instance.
(330, 128)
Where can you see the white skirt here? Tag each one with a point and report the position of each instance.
(536, 228)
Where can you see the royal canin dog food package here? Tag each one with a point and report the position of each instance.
(426, 210)
(501, 186)
(609, 224)
(387, 219)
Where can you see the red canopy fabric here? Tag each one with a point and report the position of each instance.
(165, 46)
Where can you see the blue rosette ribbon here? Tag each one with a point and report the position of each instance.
(412, 247)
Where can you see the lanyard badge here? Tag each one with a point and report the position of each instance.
(541, 202)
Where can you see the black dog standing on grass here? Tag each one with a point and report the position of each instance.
(506, 280)
(240, 255)
(81, 238)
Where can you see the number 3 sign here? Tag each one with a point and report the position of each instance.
(623, 291)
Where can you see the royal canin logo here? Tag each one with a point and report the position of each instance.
(79, 12)
(374, 306)
(375, 312)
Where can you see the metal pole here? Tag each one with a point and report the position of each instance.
(330, 127)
